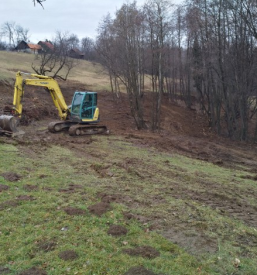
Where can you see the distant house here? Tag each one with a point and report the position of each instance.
(46, 46)
(28, 47)
(76, 53)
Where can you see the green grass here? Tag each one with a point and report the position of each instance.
(141, 175)
(43, 219)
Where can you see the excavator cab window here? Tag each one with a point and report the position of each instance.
(75, 108)
(89, 105)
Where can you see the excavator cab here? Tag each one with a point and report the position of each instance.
(84, 107)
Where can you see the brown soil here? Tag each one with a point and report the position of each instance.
(139, 270)
(100, 208)
(3, 187)
(8, 204)
(68, 255)
(74, 211)
(33, 271)
(117, 230)
(72, 188)
(29, 187)
(46, 246)
(143, 251)
(11, 176)
(25, 198)
(110, 198)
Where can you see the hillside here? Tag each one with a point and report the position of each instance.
(182, 201)
(87, 73)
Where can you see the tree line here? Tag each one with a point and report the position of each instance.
(201, 50)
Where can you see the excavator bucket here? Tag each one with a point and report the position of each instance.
(9, 123)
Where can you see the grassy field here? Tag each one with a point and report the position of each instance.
(34, 211)
(43, 219)
(88, 73)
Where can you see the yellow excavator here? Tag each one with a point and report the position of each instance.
(80, 118)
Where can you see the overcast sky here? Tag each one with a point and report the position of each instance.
(80, 17)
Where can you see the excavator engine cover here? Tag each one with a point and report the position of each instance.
(9, 123)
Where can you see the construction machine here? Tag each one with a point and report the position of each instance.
(80, 118)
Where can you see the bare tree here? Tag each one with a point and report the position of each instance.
(158, 26)
(8, 30)
(73, 41)
(223, 62)
(21, 34)
(88, 48)
(14, 33)
(120, 44)
(56, 62)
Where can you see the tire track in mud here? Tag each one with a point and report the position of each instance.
(225, 200)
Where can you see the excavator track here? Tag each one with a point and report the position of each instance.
(86, 129)
(58, 126)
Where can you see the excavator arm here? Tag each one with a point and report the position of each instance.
(43, 81)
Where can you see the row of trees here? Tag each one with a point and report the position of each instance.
(203, 49)
(13, 33)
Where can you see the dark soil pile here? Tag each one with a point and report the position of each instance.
(11, 176)
(29, 187)
(8, 204)
(72, 188)
(74, 211)
(117, 230)
(100, 208)
(46, 246)
(25, 198)
(109, 198)
(3, 187)
(68, 255)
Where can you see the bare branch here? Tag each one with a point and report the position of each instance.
(39, 2)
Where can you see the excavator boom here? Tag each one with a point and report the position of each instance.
(42, 81)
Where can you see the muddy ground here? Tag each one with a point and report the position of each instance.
(183, 131)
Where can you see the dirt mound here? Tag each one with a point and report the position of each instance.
(110, 198)
(117, 230)
(74, 211)
(11, 176)
(29, 187)
(46, 246)
(8, 204)
(3, 187)
(25, 198)
(100, 208)
(72, 188)
(68, 255)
